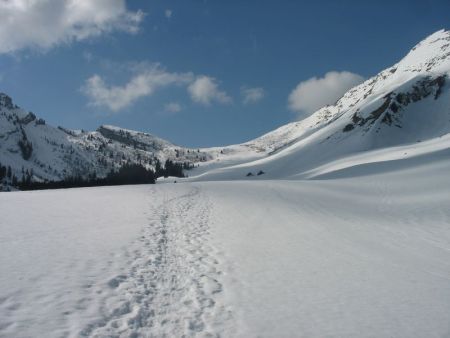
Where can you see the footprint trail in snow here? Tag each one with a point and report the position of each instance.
(173, 286)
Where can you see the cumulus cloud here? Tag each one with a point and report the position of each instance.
(315, 93)
(144, 81)
(205, 90)
(172, 107)
(168, 13)
(252, 95)
(43, 24)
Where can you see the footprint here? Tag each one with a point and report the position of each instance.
(116, 281)
(210, 285)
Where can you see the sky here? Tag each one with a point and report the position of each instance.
(199, 73)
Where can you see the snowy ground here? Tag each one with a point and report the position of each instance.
(367, 256)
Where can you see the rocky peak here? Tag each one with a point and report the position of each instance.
(6, 101)
(431, 54)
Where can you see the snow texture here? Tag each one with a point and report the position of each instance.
(357, 257)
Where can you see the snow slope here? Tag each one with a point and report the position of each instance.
(356, 257)
(401, 106)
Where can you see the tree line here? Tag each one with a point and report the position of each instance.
(129, 173)
(6, 174)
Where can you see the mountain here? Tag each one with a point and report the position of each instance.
(27, 143)
(401, 113)
(29, 146)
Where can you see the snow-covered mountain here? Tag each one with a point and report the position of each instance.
(404, 110)
(27, 143)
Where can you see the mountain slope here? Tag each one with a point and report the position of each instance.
(401, 106)
(28, 144)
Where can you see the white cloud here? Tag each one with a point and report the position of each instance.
(43, 24)
(168, 13)
(172, 107)
(205, 90)
(252, 95)
(315, 93)
(145, 80)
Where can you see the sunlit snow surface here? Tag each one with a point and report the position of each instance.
(354, 257)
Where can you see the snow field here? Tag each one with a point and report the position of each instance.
(367, 256)
(110, 262)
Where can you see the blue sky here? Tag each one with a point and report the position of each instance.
(199, 73)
